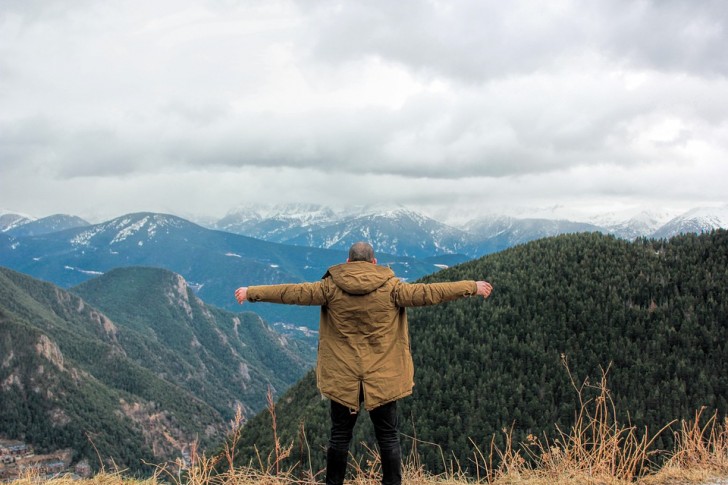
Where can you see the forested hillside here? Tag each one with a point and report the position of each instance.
(224, 358)
(65, 382)
(654, 313)
(131, 366)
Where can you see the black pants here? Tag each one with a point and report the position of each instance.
(384, 419)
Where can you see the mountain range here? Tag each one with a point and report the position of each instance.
(403, 232)
(130, 324)
(131, 365)
(409, 233)
(213, 262)
(292, 243)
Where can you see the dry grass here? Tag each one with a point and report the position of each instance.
(100, 479)
(596, 450)
(701, 453)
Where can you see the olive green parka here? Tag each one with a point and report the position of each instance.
(363, 333)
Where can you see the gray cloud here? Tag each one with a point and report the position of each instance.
(418, 100)
(533, 126)
(478, 41)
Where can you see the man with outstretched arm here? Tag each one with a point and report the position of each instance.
(364, 350)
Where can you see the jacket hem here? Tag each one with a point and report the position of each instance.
(386, 401)
(353, 409)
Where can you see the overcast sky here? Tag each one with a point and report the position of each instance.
(196, 107)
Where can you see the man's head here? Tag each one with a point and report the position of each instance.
(362, 251)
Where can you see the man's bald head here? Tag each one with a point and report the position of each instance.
(362, 251)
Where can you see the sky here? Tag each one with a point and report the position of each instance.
(455, 108)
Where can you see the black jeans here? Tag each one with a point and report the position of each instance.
(384, 419)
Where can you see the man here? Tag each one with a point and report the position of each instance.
(364, 351)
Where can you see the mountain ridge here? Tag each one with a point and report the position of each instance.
(213, 262)
(65, 372)
(474, 238)
(135, 357)
(229, 358)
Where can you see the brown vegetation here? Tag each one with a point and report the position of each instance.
(596, 450)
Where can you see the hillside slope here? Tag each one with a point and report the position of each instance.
(654, 313)
(224, 358)
(66, 382)
(136, 367)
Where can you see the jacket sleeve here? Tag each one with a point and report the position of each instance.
(422, 294)
(291, 294)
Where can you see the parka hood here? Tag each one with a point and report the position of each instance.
(359, 277)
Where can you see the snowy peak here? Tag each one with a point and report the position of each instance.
(517, 231)
(140, 227)
(629, 224)
(299, 212)
(401, 231)
(700, 219)
(398, 214)
(396, 231)
(21, 225)
(10, 221)
(274, 223)
(47, 225)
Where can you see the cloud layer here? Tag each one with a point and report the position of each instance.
(198, 106)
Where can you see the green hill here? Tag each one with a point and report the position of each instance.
(131, 365)
(655, 313)
(65, 382)
(224, 358)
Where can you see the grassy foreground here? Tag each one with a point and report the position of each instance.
(595, 450)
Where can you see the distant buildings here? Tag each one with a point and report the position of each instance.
(13, 449)
(18, 458)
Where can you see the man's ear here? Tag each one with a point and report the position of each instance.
(347, 260)
(374, 260)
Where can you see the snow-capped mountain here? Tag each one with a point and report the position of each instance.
(47, 225)
(136, 229)
(491, 234)
(9, 220)
(630, 225)
(405, 232)
(277, 223)
(396, 231)
(213, 262)
(399, 231)
(700, 219)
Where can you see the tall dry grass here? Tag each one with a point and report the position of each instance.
(597, 449)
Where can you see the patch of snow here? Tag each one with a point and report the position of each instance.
(196, 287)
(129, 230)
(84, 238)
(84, 271)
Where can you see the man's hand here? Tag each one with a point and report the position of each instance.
(241, 294)
(484, 288)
